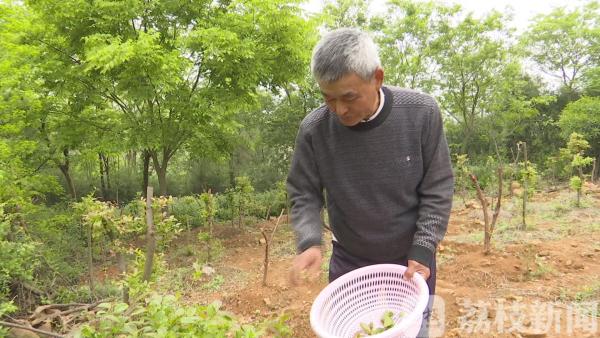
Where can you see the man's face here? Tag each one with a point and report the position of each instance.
(352, 98)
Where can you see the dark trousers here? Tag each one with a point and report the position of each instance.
(343, 262)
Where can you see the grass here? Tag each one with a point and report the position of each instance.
(446, 256)
(214, 284)
(589, 293)
(539, 269)
(588, 299)
(547, 220)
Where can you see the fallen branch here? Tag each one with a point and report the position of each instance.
(23, 327)
(57, 313)
(43, 308)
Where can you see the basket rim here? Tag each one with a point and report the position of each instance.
(422, 299)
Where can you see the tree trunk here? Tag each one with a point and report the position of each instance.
(231, 170)
(578, 203)
(486, 218)
(64, 168)
(131, 159)
(122, 259)
(146, 172)
(117, 179)
(106, 161)
(240, 213)
(161, 169)
(162, 180)
(102, 182)
(596, 169)
(91, 256)
(150, 236)
(525, 186)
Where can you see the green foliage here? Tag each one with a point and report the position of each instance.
(572, 157)
(529, 173)
(239, 199)
(134, 279)
(555, 41)
(345, 13)
(210, 209)
(582, 117)
(216, 89)
(214, 284)
(162, 316)
(271, 201)
(189, 210)
(5, 309)
(369, 329)
(132, 220)
(576, 183)
(213, 247)
(108, 223)
(82, 293)
(412, 36)
(17, 258)
(462, 181)
(61, 256)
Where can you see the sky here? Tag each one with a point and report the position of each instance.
(523, 10)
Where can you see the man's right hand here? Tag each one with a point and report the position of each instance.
(306, 265)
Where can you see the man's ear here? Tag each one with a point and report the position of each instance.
(378, 77)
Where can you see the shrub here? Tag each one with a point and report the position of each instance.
(188, 210)
(162, 316)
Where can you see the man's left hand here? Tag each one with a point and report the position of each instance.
(414, 266)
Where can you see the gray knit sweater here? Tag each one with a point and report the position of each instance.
(388, 182)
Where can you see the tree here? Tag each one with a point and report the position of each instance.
(583, 117)
(473, 56)
(22, 181)
(576, 147)
(345, 13)
(172, 77)
(411, 35)
(564, 43)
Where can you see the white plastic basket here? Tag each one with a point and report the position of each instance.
(363, 296)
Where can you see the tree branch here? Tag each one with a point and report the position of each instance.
(17, 326)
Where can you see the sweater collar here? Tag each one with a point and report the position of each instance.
(381, 115)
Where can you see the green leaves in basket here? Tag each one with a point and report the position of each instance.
(366, 328)
(387, 320)
(369, 329)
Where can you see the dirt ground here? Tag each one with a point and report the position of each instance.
(540, 282)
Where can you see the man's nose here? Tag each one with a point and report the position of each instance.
(341, 109)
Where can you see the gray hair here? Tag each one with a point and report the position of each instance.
(344, 51)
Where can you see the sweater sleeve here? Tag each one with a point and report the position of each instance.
(435, 191)
(305, 192)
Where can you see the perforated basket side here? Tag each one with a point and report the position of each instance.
(363, 295)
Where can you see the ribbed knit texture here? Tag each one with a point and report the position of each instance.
(388, 182)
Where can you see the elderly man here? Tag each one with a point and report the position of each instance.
(380, 154)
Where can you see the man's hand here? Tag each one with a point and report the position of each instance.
(306, 265)
(414, 266)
